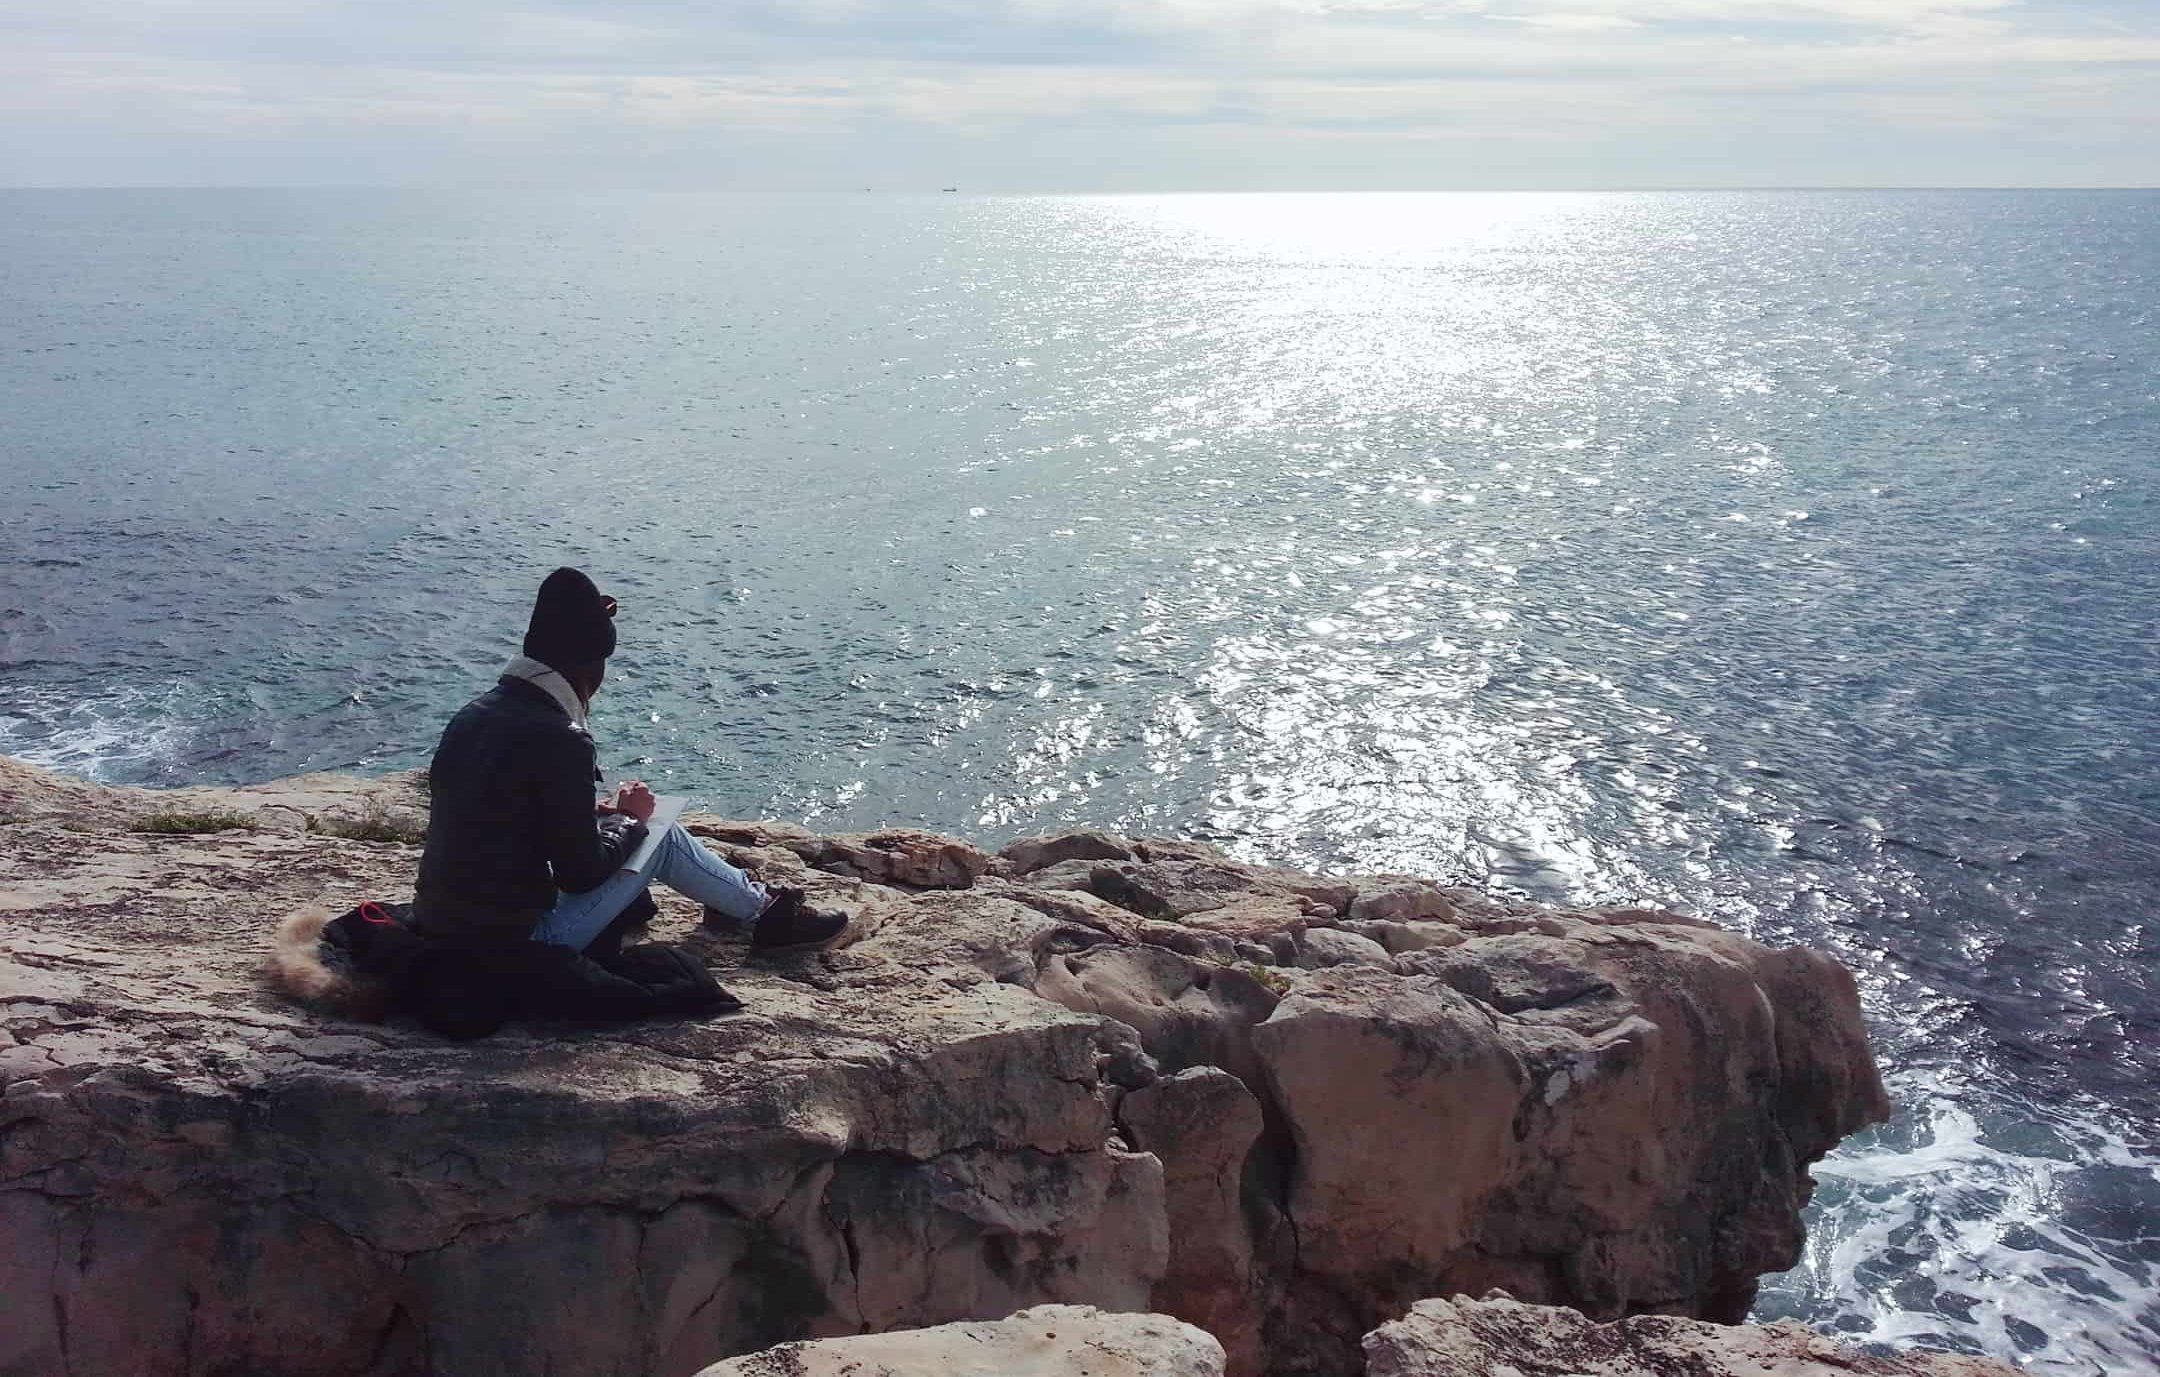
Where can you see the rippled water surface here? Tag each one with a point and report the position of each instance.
(1787, 558)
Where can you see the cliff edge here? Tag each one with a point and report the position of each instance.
(1091, 1070)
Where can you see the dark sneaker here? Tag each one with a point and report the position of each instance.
(789, 924)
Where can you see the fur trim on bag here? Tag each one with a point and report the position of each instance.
(295, 969)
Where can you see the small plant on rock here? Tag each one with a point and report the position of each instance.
(378, 822)
(174, 822)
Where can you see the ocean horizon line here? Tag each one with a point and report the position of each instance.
(1046, 193)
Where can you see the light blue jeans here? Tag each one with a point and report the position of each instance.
(680, 862)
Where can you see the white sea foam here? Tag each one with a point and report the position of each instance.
(124, 733)
(1949, 1230)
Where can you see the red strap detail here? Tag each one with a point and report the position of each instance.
(372, 912)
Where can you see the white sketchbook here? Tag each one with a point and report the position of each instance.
(666, 808)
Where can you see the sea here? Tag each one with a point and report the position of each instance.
(1788, 558)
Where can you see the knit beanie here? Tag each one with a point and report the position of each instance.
(572, 622)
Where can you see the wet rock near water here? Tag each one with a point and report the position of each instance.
(1130, 1073)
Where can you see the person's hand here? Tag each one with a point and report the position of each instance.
(636, 800)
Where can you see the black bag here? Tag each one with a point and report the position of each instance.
(466, 990)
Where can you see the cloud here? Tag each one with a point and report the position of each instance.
(475, 87)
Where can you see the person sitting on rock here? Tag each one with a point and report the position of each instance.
(518, 849)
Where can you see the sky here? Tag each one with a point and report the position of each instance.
(1080, 95)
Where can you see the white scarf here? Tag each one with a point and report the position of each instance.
(545, 678)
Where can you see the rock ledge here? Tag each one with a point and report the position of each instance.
(1466, 1338)
(1122, 1072)
(1047, 1341)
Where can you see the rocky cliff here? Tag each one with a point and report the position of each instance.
(1127, 1073)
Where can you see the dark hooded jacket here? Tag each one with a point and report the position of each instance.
(511, 819)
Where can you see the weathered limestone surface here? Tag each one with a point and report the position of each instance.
(1128, 1073)
(1047, 1341)
(1466, 1338)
